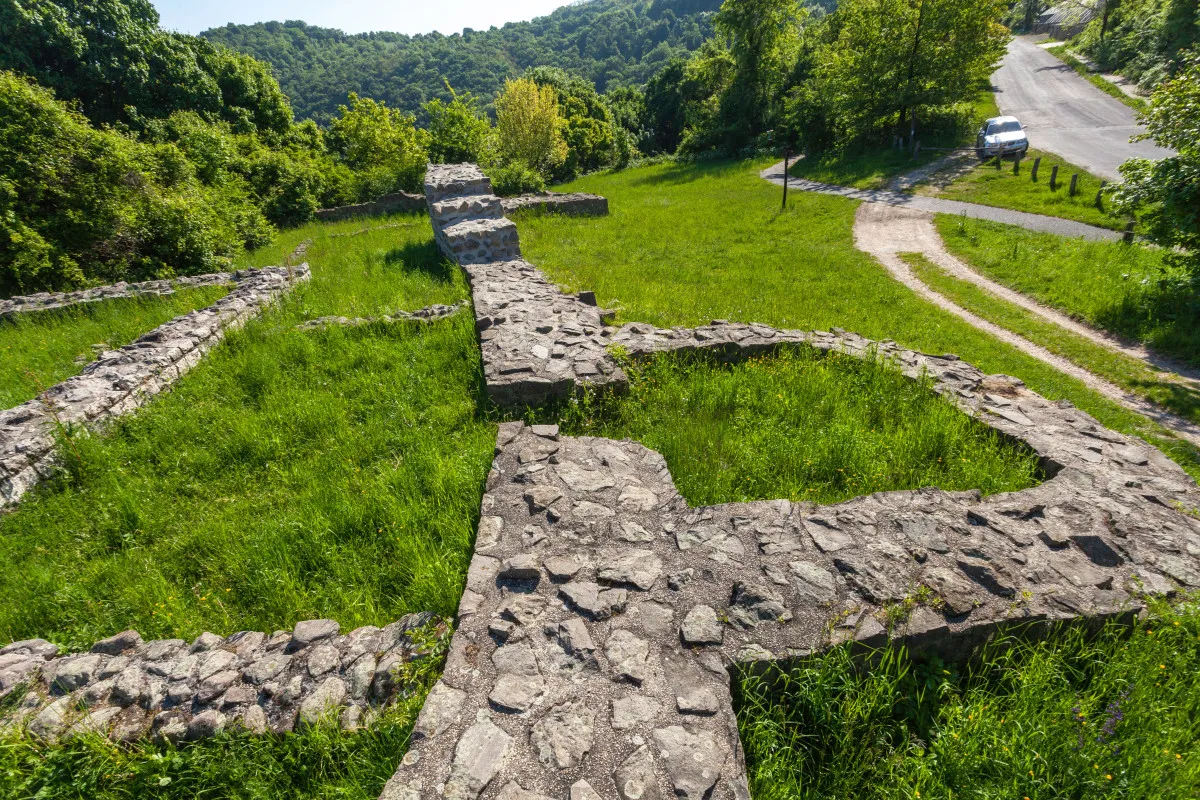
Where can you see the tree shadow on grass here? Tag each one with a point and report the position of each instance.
(1166, 318)
(688, 172)
(421, 257)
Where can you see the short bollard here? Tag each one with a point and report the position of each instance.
(1100, 195)
(1017, 164)
(1127, 235)
(1037, 162)
(1054, 177)
(1074, 183)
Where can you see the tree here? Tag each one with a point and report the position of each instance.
(381, 143)
(762, 37)
(885, 62)
(458, 131)
(665, 107)
(587, 125)
(528, 126)
(1166, 193)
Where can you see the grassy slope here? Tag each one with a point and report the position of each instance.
(685, 244)
(291, 475)
(800, 426)
(873, 169)
(1108, 285)
(1072, 717)
(1125, 372)
(989, 186)
(41, 349)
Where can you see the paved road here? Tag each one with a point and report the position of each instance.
(1023, 219)
(1065, 114)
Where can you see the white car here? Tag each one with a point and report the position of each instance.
(1001, 136)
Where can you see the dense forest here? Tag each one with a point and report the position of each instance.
(611, 43)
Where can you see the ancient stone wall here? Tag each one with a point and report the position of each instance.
(169, 689)
(387, 204)
(119, 381)
(603, 613)
(46, 301)
(574, 204)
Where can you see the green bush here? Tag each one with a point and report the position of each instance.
(516, 178)
(80, 205)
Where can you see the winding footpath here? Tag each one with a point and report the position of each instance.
(890, 223)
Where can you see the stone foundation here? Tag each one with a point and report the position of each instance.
(431, 313)
(169, 689)
(571, 205)
(46, 301)
(387, 204)
(603, 613)
(122, 380)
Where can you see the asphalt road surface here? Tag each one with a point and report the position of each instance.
(1066, 115)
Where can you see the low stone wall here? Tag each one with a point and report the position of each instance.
(120, 381)
(169, 689)
(569, 204)
(431, 313)
(46, 301)
(387, 204)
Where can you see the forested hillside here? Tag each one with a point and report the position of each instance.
(609, 42)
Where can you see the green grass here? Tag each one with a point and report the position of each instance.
(291, 475)
(1108, 715)
(1119, 369)
(989, 186)
(318, 762)
(686, 244)
(1131, 291)
(1108, 87)
(800, 425)
(43, 348)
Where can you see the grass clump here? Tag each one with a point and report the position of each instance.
(989, 185)
(1120, 369)
(1129, 290)
(800, 425)
(1075, 715)
(291, 475)
(318, 762)
(43, 348)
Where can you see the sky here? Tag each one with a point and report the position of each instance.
(354, 16)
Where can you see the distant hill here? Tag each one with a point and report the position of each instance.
(609, 42)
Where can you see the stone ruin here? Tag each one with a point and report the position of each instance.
(603, 614)
(572, 204)
(47, 301)
(169, 690)
(120, 381)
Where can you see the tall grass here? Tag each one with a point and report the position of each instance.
(685, 244)
(802, 426)
(1076, 715)
(291, 475)
(1130, 290)
(40, 349)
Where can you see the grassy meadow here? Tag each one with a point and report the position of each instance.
(1074, 715)
(800, 425)
(688, 243)
(43, 348)
(1129, 290)
(291, 475)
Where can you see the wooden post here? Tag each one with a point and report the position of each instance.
(1074, 183)
(1054, 177)
(1037, 162)
(1017, 164)
(1127, 237)
(1000, 160)
(1100, 195)
(786, 154)
(916, 150)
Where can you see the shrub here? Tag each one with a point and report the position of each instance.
(516, 178)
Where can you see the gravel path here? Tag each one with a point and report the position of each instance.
(885, 231)
(1023, 219)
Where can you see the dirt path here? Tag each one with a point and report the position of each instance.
(885, 231)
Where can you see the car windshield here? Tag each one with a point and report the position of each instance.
(1011, 126)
